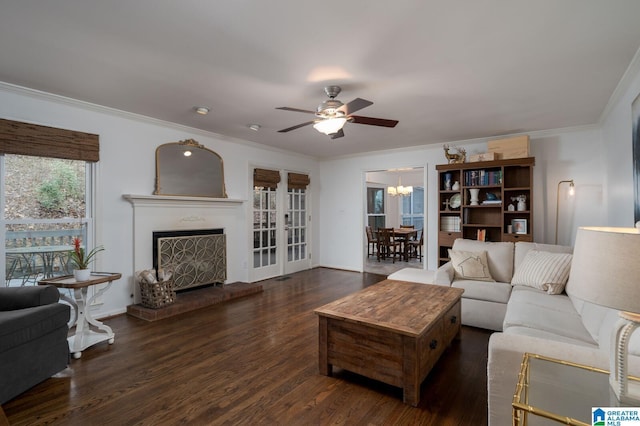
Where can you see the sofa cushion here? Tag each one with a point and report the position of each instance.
(499, 256)
(483, 290)
(523, 247)
(546, 335)
(543, 270)
(470, 265)
(534, 309)
(413, 275)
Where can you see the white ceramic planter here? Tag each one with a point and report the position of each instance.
(82, 274)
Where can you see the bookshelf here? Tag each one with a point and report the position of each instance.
(478, 206)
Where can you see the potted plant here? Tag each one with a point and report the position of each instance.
(81, 260)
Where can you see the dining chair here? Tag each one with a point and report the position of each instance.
(372, 242)
(387, 244)
(412, 237)
(415, 246)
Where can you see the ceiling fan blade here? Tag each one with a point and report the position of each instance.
(306, 111)
(373, 121)
(288, 129)
(338, 134)
(355, 105)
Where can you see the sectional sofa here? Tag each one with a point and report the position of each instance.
(522, 292)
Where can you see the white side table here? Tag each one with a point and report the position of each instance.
(85, 336)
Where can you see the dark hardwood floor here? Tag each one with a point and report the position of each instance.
(252, 360)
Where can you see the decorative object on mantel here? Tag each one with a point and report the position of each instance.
(155, 292)
(81, 260)
(456, 158)
(605, 263)
(188, 168)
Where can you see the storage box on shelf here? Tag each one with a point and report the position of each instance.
(485, 191)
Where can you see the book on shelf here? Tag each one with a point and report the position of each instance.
(481, 234)
(491, 202)
(482, 177)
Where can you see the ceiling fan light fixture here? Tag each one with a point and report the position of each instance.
(330, 125)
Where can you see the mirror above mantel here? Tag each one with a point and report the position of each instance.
(187, 168)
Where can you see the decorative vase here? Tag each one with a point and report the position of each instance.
(456, 186)
(474, 196)
(522, 205)
(447, 181)
(82, 274)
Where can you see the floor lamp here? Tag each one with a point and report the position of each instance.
(571, 192)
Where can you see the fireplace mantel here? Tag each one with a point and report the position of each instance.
(173, 212)
(178, 200)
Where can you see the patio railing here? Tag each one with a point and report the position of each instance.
(33, 255)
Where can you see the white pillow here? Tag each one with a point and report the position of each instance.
(544, 270)
(470, 265)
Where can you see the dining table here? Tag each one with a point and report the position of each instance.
(46, 260)
(404, 235)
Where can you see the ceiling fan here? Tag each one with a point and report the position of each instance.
(333, 114)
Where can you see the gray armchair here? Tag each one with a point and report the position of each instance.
(33, 337)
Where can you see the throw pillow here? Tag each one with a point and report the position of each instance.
(544, 270)
(470, 265)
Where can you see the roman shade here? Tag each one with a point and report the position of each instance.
(32, 139)
(266, 178)
(298, 181)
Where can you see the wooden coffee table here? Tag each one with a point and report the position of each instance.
(393, 331)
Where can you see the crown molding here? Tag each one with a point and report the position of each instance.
(40, 95)
(633, 70)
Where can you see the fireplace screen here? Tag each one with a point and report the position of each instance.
(195, 260)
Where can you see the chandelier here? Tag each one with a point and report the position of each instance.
(399, 190)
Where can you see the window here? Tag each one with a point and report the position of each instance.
(45, 197)
(264, 227)
(376, 217)
(45, 203)
(412, 208)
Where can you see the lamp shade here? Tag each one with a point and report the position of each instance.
(606, 268)
(330, 126)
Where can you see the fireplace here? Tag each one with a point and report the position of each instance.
(197, 257)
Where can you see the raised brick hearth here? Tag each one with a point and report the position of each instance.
(197, 298)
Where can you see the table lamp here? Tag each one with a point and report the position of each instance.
(606, 271)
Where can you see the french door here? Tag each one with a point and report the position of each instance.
(280, 230)
(297, 258)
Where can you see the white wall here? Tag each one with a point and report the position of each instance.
(127, 166)
(569, 154)
(617, 137)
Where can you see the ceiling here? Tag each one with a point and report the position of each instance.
(447, 70)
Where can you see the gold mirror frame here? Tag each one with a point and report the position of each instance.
(187, 168)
